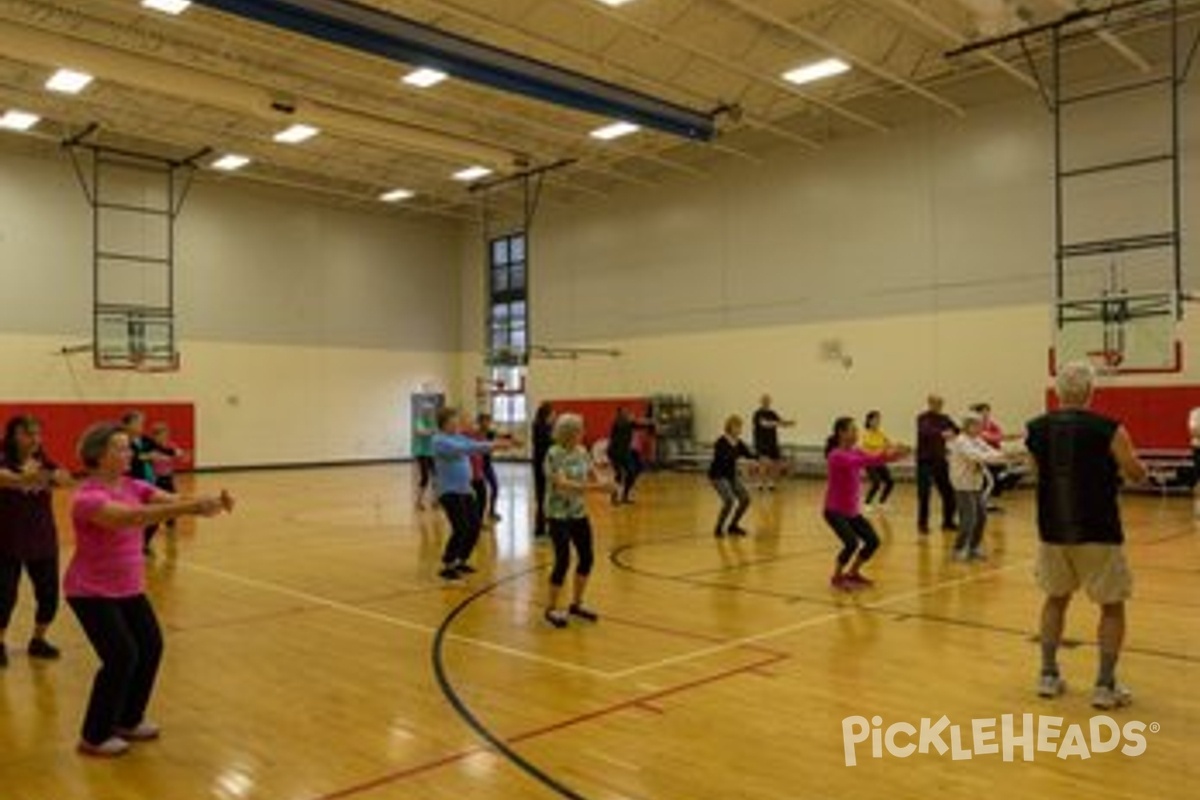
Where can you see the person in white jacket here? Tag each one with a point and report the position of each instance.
(970, 457)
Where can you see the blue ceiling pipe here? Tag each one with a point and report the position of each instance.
(380, 33)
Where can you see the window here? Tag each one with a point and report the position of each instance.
(508, 326)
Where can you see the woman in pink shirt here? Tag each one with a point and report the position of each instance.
(843, 506)
(105, 585)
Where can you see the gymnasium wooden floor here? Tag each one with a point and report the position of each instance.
(301, 658)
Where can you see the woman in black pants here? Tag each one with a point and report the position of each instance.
(543, 439)
(105, 586)
(874, 441)
(571, 473)
(28, 535)
(723, 472)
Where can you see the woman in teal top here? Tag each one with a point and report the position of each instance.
(570, 473)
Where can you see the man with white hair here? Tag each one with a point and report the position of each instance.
(1081, 457)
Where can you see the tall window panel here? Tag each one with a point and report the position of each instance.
(508, 325)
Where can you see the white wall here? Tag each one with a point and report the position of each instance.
(303, 327)
(928, 251)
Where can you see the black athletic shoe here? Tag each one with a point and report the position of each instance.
(3, 657)
(466, 569)
(949, 526)
(449, 573)
(738, 530)
(577, 610)
(40, 648)
(720, 534)
(556, 618)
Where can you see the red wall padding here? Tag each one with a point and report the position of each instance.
(598, 414)
(62, 424)
(1156, 416)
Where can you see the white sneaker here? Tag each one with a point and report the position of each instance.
(111, 747)
(1116, 696)
(1051, 686)
(144, 732)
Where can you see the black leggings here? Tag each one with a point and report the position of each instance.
(43, 573)
(539, 494)
(493, 484)
(853, 531)
(425, 465)
(464, 519)
(567, 532)
(126, 637)
(626, 468)
(881, 477)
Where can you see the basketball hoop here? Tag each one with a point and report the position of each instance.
(1106, 362)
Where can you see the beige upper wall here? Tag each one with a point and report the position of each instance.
(253, 265)
(927, 251)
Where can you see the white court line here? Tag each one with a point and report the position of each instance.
(733, 644)
(397, 622)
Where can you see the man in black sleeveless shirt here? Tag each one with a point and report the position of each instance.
(1081, 458)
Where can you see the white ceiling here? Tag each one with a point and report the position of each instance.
(700, 53)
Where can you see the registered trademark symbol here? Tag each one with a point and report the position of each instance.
(1155, 727)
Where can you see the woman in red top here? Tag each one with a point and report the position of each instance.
(843, 506)
(28, 536)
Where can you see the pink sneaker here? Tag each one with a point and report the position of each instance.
(841, 583)
(857, 581)
(111, 747)
(143, 732)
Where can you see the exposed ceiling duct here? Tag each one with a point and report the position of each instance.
(35, 46)
(380, 33)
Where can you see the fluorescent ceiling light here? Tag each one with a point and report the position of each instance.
(18, 120)
(816, 71)
(296, 134)
(172, 7)
(68, 81)
(615, 2)
(424, 77)
(615, 131)
(230, 163)
(396, 195)
(472, 174)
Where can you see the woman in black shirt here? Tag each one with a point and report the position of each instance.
(723, 473)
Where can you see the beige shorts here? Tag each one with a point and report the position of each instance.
(1100, 569)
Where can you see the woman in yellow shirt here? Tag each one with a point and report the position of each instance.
(874, 441)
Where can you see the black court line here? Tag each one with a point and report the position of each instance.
(615, 558)
(467, 715)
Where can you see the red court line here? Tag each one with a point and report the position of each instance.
(642, 702)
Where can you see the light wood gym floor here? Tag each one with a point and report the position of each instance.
(301, 633)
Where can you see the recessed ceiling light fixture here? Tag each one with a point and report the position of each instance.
(230, 162)
(296, 134)
(424, 77)
(472, 174)
(172, 7)
(396, 195)
(14, 120)
(68, 81)
(816, 71)
(615, 131)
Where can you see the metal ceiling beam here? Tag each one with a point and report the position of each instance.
(769, 18)
(727, 64)
(1116, 43)
(957, 38)
(377, 32)
(602, 63)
